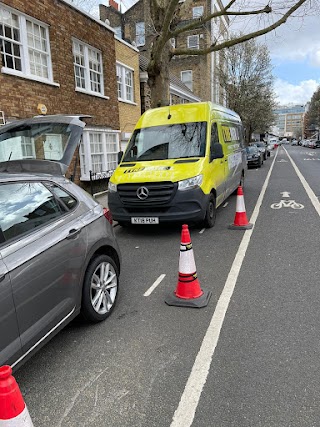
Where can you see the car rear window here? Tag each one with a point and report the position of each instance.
(69, 201)
(24, 207)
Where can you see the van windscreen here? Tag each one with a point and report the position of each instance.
(167, 142)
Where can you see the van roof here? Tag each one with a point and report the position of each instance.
(191, 112)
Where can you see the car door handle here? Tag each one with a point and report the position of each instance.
(2, 276)
(73, 233)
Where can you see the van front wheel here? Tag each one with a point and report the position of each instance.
(211, 213)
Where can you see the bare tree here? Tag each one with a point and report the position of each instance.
(167, 24)
(245, 76)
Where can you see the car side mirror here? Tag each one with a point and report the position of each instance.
(120, 154)
(216, 151)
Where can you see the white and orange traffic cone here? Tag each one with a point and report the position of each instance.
(240, 220)
(13, 410)
(188, 292)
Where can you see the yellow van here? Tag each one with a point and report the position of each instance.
(180, 164)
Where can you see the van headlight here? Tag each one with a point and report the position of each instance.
(112, 187)
(188, 184)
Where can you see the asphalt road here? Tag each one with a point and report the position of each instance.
(248, 359)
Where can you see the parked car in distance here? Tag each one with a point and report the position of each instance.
(264, 149)
(294, 142)
(58, 253)
(254, 156)
(273, 143)
(318, 143)
(312, 143)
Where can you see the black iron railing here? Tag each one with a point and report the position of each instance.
(99, 180)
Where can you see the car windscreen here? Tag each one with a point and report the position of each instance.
(42, 141)
(252, 150)
(167, 142)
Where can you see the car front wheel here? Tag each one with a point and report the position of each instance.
(100, 289)
(210, 217)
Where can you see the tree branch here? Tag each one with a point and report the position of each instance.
(223, 12)
(246, 37)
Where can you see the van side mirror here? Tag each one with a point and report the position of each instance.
(216, 151)
(120, 154)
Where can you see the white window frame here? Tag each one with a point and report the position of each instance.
(125, 86)
(197, 12)
(187, 82)
(140, 34)
(118, 32)
(36, 55)
(89, 74)
(109, 157)
(193, 41)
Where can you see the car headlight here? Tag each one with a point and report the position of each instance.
(112, 187)
(189, 183)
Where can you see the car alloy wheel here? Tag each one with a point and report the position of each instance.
(100, 288)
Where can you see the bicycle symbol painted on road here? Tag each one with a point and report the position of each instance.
(287, 204)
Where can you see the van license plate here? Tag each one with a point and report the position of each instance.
(145, 220)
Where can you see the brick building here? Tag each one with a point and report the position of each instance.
(128, 78)
(56, 56)
(196, 72)
(131, 26)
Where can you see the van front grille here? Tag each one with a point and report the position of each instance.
(146, 194)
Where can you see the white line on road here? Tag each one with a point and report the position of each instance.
(202, 231)
(185, 412)
(312, 196)
(153, 287)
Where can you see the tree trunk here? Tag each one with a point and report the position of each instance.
(158, 76)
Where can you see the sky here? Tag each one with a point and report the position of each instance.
(295, 54)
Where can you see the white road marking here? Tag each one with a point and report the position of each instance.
(285, 194)
(185, 412)
(225, 205)
(202, 231)
(153, 287)
(312, 196)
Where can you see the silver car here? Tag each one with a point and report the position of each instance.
(58, 253)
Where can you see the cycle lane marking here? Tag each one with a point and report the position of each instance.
(185, 412)
(306, 186)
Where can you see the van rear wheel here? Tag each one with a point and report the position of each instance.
(211, 213)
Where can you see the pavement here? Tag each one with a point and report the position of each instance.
(102, 198)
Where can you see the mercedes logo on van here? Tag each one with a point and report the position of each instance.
(142, 193)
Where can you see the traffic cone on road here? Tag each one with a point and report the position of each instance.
(13, 410)
(240, 220)
(188, 292)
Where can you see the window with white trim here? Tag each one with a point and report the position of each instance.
(125, 83)
(88, 73)
(193, 42)
(99, 152)
(140, 34)
(197, 12)
(24, 46)
(118, 32)
(186, 78)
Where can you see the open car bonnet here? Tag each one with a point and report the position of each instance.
(42, 144)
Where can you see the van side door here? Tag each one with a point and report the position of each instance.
(217, 165)
(234, 155)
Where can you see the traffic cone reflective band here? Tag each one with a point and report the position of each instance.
(240, 220)
(188, 292)
(13, 410)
